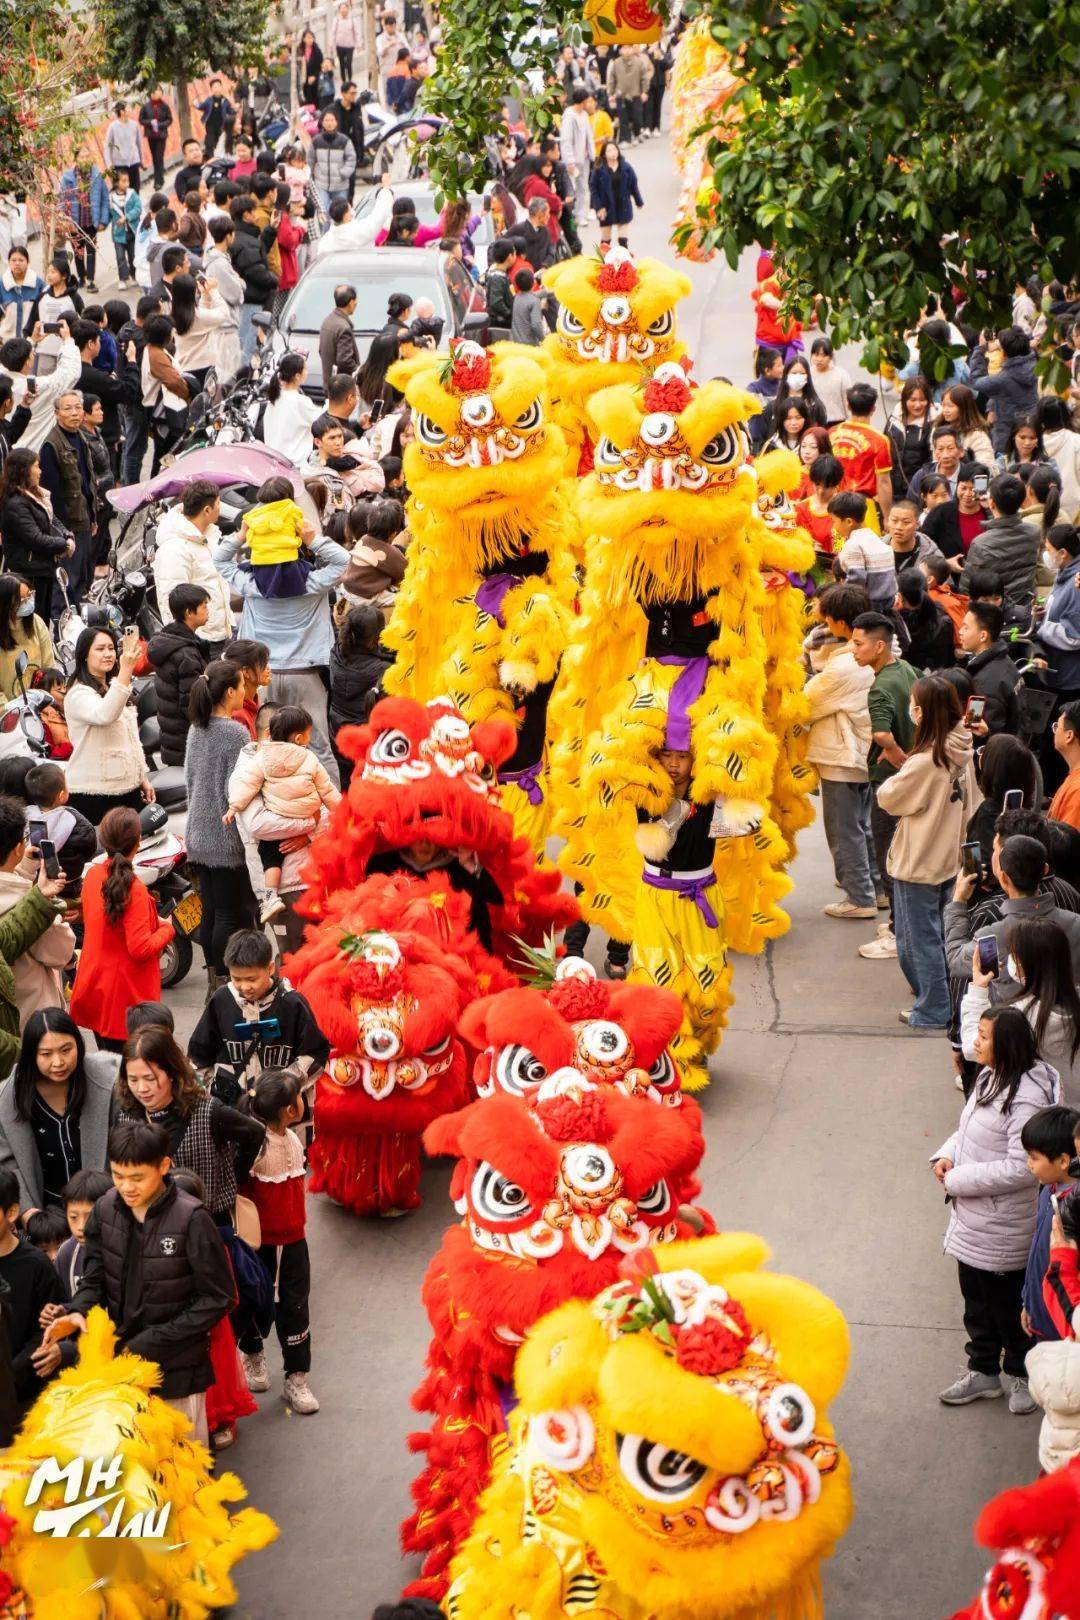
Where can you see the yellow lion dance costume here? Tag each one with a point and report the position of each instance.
(616, 320)
(104, 1408)
(670, 1455)
(484, 609)
(786, 555)
(672, 628)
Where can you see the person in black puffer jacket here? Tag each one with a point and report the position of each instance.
(178, 658)
(34, 543)
(357, 666)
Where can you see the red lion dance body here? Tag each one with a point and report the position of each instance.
(566, 1165)
(386, 982)
(1036, 1530)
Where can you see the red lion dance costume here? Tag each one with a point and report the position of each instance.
(386, 983)
(1037, 1573)
(566, 1165)
(424, 775)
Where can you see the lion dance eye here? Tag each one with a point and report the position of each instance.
(656, 1201)
(663, 1073)
(567, 322)
(663, 326)
(495, 1198)
(789, 1415)
(530, 418)
(606, 454)
(439, 1049)
(390, 748)
(382, 1043)
(725, 448)
(517, 1070)
(604, 1043)
(427, 431)
(658, 1472)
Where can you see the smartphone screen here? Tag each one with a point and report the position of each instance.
(36, 831)
(1013, 800)
(980, 483)
(377, 410)
(49, 858)
(988, 955)
(971, 858)
(976, 708)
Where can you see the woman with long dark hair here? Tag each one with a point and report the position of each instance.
(1004, 764)
(107, 765)
(930, 796)
(123, 936)
(960, 409)
(198, 313)
(219, 1143)
(613, 191)
(55, 1110)
(792, 417)
(371, 380)
(34, 543)
(992, 1203)
(309, 59)
(215, 848)
(357, 666)
(21, 631)
(910, 433)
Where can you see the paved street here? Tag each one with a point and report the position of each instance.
(820, 1118)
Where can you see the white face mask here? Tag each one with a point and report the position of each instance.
(796, 382)
(1049, 559)
(1012, 968)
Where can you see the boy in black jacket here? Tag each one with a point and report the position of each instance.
(156, 1262)
(257, 1021)
(74, 836)
(497, 288)
(178, 658)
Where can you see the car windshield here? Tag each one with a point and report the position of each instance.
(314, 297)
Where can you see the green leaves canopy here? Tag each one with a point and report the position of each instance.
(159, 41)
(890, 152)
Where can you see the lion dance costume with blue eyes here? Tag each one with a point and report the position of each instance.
(670, 1453)
(104, 1407)
(616, 323)
(670, 650)
(485, 607)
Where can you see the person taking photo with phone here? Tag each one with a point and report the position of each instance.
(123, 936)
(1020, 866)
(107, 767)
(254, 1022)
(1036, 976)
(993, 674)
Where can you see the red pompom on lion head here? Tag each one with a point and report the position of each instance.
(470, 368)
(618, 274)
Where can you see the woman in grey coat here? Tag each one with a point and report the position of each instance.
(56, 1108)
(992, 1196)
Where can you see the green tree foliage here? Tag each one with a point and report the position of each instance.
(43, 63)
(891, 152)
(152, 42)
(486, 53)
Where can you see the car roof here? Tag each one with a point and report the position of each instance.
(347, 264)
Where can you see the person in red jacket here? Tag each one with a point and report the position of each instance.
(1061, 1285)
(123, 936)
(292, 234)
(276, 1188)
(770, 331)
(539, 181)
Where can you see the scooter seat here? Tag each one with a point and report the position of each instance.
(170, 786)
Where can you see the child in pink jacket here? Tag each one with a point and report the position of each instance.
(291, 782)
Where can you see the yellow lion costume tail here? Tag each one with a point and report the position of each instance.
(104, 1411)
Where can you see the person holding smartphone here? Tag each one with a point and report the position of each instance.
(107, 767)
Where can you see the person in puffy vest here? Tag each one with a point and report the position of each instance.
(178, 658)
(156, 1262)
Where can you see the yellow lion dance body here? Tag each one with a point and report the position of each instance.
(672, 617)
(104, 1408)
(484, 609)
(616, 320)
(670, 1455)
(786, 555)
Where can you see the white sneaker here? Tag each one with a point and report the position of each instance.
(844, 908)
(299, 1396)
(876, 950)
(272, 907)
(255, 1371)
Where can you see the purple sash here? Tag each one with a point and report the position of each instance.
(490, 596)
(689, 889)
(686, 691)
(527, 780)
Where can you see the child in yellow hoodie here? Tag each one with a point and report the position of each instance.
(276, 531)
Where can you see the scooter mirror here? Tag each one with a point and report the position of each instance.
(33, 730)
(21, 662)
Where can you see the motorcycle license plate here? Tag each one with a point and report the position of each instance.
(188, 913)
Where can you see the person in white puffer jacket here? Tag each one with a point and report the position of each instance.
(184, 556)
(839, 740)
(992, 1198)
(1053, 1368)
